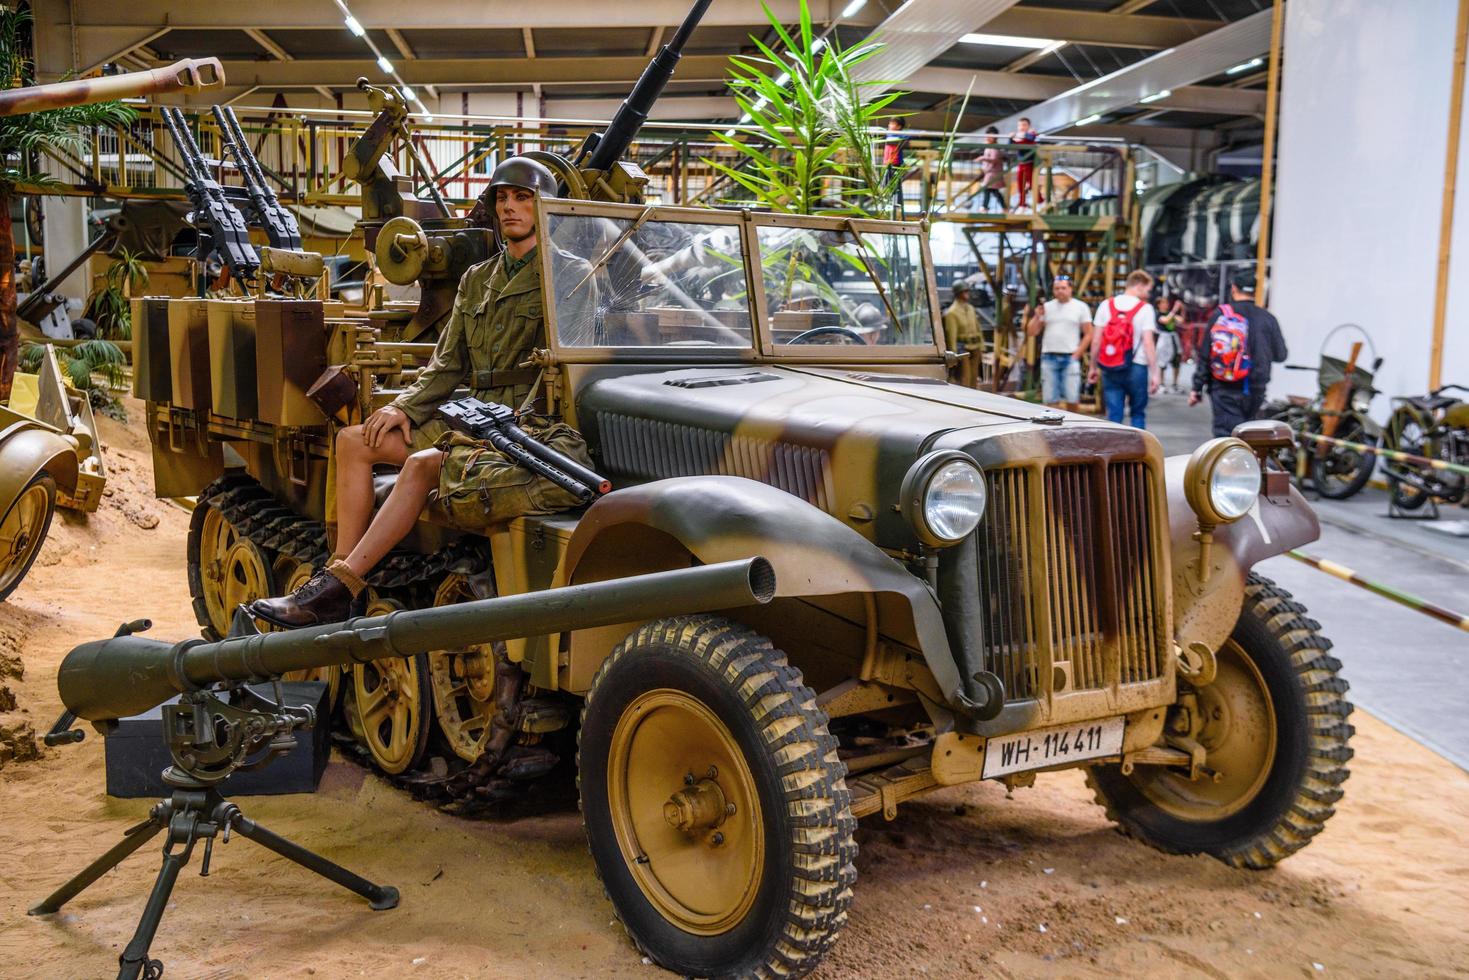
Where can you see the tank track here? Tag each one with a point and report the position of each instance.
(281, 532)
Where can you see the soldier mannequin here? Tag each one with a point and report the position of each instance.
(497, 320)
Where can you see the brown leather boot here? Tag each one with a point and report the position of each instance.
(323, 598)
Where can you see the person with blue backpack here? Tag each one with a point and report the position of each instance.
(1233, 364)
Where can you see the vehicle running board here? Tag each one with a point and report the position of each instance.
(885, 789)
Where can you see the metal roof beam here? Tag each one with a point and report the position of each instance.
(921, 30)
(1038, 88)
(465, 72)
(1095, 27)
(384, 14)
(1173, 69)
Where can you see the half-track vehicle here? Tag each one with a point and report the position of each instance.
(966, 586)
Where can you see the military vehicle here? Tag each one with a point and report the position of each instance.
(966, 586)
(50, 456)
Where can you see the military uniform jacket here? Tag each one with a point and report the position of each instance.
(497, 320)
(961, 323)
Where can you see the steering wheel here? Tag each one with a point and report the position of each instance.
(828, 331)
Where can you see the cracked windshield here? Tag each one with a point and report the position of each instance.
(650, 283)
(841, 286)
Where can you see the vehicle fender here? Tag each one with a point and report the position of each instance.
(720, 518)
(1206, 607)
(25, 450)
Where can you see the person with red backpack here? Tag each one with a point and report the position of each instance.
(1124, 354)
(1233, 362)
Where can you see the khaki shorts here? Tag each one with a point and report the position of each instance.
(480, 487)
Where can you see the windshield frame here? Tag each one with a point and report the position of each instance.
(546, 207)
(762, 347)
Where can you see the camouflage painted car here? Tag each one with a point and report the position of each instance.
(968, 586)
(49, 456)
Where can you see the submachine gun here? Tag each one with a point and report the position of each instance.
(219, 725)
(496, 424)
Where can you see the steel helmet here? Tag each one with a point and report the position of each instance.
(524, 172)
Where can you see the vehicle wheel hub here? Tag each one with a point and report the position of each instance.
(701, 806)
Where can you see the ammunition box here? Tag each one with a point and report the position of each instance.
(290, 355)
(188, 348)
(232, 354)
(152, 380)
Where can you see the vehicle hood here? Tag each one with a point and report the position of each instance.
(841, 439)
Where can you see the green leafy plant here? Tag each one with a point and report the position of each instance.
(817, 150)
(83, 364)
(109, 307)
(24, 140)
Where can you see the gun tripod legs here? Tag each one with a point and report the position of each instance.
(195, 813)
(380, 897)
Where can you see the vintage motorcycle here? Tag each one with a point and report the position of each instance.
(1338, 411)
(1435, 426)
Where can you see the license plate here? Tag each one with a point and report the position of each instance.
(1052, 746)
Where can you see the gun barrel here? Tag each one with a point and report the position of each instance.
(104, 680)
(634, 109)
(185, 75)
(582, 475)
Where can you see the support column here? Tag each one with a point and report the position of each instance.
(1446, 221)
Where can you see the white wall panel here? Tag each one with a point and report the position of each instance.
(1364, 108)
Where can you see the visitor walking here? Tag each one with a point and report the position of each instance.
(1124, 352)
(1025, 165)
(1233, 363)
(1064, 325)
(992, 172)
(1170, 338)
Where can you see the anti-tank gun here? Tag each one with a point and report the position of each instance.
(185, 75)
(220, 725)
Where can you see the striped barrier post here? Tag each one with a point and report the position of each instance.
(1402, 598)
(1392, 454)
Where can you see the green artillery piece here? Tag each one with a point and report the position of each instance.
(220, 725)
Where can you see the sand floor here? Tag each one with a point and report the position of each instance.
(964, 882)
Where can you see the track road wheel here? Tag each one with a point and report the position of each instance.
(391, 704)
(23, 528)
(211, 536)
(716, 808)
(291, 575)
(245, 575)
(463, 683)
(1274, 729)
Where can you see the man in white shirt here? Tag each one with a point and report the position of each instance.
(1064, 325)
(1124, 354)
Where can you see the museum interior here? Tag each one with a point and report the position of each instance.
(734, 488)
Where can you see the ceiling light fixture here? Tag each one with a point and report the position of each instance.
(355, 27)
(1156, 96)
(1245, 66)
(851, 9)
(411, 97)
(385, 64)
(1012, 41)
(1088, 120)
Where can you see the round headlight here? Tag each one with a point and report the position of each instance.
(1222, 480)
(944, 497)
(1361, 400)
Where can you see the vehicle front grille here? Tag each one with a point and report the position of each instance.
(1069, 577)
(647, 449)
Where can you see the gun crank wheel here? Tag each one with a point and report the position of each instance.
(463, 682)
(291, 575)
(391, 703)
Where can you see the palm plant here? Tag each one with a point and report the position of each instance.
(24, 140)
(110, 307)
(819, 151)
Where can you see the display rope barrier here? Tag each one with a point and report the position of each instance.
(1331, 568)
(1392, 454)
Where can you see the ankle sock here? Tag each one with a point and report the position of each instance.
(343, 573)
